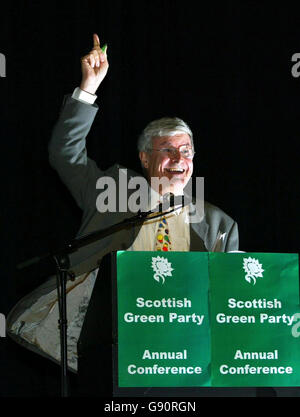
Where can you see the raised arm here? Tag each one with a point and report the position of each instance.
(67, 147)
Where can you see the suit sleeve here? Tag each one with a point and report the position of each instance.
(67, 150)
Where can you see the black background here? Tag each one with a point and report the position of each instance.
(223, 67)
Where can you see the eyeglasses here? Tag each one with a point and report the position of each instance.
(185, 150)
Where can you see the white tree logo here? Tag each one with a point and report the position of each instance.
(162, 268)
(253, 269)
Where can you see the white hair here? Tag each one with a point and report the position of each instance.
(166, 126)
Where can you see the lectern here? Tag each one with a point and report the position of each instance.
(191, 324)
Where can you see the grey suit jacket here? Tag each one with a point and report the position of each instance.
(68, 156)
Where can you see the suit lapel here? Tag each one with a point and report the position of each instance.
(197, 237)
(198, 231)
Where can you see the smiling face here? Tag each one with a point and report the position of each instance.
(174, 167)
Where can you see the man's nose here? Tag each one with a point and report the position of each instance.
(176, 155)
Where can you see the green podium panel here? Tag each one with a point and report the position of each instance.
(253, 301)
(198, 319)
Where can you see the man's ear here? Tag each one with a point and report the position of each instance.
(144, 159)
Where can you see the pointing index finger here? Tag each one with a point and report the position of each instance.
(96, 41)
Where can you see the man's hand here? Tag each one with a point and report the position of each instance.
(94, 67)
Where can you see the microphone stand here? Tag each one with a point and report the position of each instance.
(62, 263)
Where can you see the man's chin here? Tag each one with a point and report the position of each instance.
(176, 189)
(178, 184)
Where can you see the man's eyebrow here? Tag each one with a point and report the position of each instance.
(170, 144)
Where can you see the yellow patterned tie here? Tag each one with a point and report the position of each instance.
(163, 241)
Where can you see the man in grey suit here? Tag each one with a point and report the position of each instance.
(166, 150)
